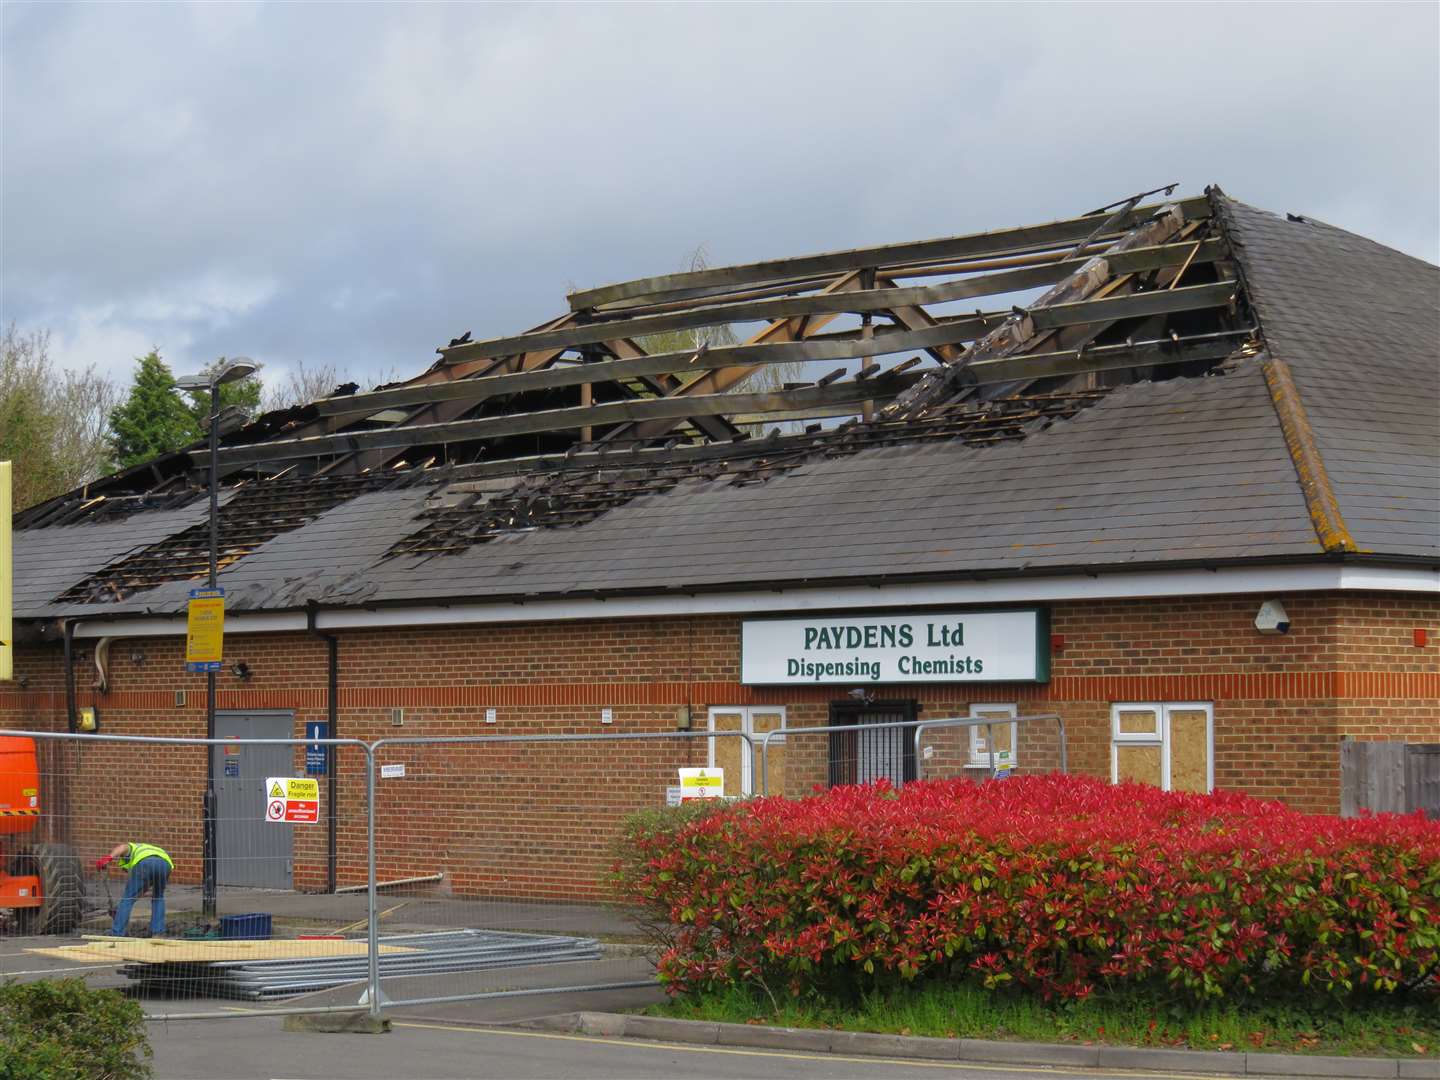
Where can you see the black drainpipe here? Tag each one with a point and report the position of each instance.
(333, 697)
(72, 712)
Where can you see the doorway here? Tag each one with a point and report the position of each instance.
(251, 852)
(868, 754)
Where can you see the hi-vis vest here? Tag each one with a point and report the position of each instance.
(143, 851)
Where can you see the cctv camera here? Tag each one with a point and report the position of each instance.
(1272, 619)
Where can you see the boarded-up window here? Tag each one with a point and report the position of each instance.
(733, 755)
(1168, 745)
(729, 754)
(1001, 734)
(762, 721)
(1190, 750)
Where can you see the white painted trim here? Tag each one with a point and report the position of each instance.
(162, 626)
(1260, 580)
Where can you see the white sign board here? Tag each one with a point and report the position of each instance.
(938, 647)
(392, 772)
(702, 784)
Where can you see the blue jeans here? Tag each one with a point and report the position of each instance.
(148, 875)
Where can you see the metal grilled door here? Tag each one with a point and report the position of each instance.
(867, 754)
(250, 851)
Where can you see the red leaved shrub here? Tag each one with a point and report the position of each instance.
(1059, 884)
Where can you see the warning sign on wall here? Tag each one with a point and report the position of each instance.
(701, 784)
(292, 800)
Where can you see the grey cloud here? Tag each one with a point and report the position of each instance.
(357, 184)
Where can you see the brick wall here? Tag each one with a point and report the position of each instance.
(537, 820)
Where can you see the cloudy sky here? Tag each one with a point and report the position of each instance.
(325, 183)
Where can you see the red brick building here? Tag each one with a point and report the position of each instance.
(1185, 498)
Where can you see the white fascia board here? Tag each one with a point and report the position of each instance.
(1118, 586)
(165, 625)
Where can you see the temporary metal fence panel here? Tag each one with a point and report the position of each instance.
(273, 851)
(404, 871)
(864, 749)
(496, 852)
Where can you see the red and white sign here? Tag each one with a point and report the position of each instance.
(292, 800)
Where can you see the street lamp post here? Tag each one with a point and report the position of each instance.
(223, 373)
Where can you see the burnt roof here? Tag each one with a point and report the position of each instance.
(1201, 382)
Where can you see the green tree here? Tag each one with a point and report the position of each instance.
(52, 421)
(153, 419)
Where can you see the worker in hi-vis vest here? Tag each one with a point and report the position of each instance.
(149, 869)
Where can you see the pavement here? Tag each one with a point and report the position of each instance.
(418, 1049)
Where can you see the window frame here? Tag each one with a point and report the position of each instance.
(747, 725)
(1160, 738)
(976, 759)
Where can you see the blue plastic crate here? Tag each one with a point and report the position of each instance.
(252, 927)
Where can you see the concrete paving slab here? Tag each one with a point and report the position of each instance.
(1144, 1057)
(1420, 1070)
(807, 1040)
(877, 1044)
(1316, 1066)
(663, 1030)
(1028, 1053)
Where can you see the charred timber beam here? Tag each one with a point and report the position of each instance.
(1155, 353)
(885, 341)
(776, 270)
(1130, 305)
(615, 412)
(869, 300)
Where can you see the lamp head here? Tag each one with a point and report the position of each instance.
(235, 370)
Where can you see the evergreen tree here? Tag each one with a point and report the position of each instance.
(152, 420)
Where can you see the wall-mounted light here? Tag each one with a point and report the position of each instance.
(137, 657)
(240, 669)
(683, 718)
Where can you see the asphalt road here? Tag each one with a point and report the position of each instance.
(256, 1047)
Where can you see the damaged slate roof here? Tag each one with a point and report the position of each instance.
(1359, 325)
(1278, 402)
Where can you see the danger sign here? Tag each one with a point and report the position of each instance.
(292, 800)
(701, 784)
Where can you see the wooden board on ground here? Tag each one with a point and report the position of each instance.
(179, 951)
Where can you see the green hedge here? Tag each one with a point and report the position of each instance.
(63, 1030)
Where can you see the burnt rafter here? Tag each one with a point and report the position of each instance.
(553, 427)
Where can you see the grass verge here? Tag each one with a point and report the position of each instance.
(1400, 1027)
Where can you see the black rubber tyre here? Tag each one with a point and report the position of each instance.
(62, 888)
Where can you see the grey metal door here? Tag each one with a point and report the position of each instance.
(251, 851)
